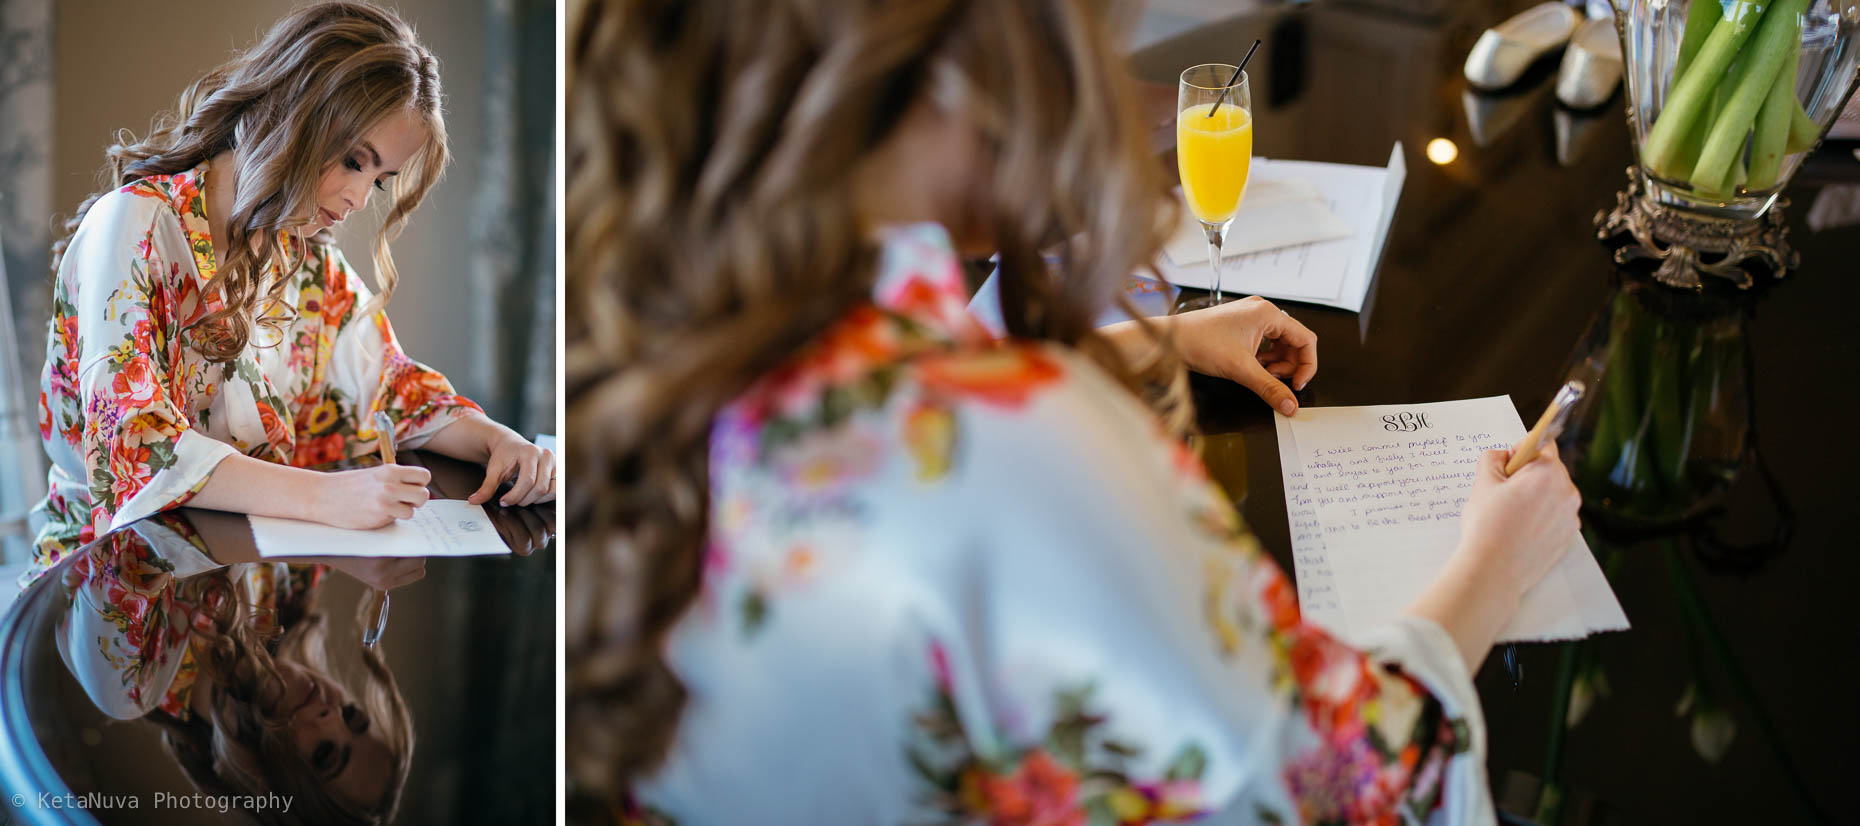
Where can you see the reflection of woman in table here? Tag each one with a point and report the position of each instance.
(873, 566)
(209, 342)
(231, 661)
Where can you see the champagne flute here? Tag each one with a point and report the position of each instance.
(1214, 152)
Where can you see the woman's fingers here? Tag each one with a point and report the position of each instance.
(1301, 343)
(1276, 395)
(494, 473)
(526, 479)
(540, 475)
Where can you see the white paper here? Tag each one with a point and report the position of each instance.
(1318, 600)
(441, 527)
(1333, 273)
(1383, 487)
(1273, 213)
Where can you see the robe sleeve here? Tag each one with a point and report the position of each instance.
(141, 453)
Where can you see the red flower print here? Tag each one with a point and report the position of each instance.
(1040, 793)
(1006, 376)
(135, 383)
(274, 429)
(129, 471)
(45, 419)
(321, 450)
(337, 297)
(68, 335)
(143, 336)
(1281, 602)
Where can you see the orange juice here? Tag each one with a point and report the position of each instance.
(1213, 154)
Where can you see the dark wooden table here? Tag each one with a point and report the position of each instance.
(472, 646)
(1491, 276)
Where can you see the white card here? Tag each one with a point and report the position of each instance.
(441, 527)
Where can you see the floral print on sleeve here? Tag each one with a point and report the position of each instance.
(354, 367)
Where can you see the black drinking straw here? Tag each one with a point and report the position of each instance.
(1232, 80)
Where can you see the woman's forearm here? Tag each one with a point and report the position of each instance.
(1471, 603)
(1132, 341)
(468, 438)
(242, 484)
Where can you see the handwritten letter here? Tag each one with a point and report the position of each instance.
(1377, 499)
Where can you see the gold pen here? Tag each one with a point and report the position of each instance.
(1548, 427)
(384, 441)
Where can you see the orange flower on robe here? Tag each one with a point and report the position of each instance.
(1006, 376)
(337, 298)
(275, 432)
(321, 450)
(1040, 793)
(135, 384)
(129, 471)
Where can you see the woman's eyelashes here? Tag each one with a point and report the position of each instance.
(352, 163)
(355, 718)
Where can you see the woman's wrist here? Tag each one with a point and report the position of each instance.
(1471, 598)
(471, 438)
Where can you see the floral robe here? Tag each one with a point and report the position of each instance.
(955, 580)
(135, 419)
(125, 635)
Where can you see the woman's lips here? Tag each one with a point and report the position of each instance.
(331, 217)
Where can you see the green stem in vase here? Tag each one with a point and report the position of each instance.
(1701, 17)
(1685, 102)
(1773, 120)
(1778, 32)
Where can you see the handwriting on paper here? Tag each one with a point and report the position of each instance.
(1318, 599)
(1395, 482)
(1384, 506)
(1406, 422)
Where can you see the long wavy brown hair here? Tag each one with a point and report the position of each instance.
(711, 232)
(243, 746)
(292, 106)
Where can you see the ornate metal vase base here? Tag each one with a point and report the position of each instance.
(1689, 245)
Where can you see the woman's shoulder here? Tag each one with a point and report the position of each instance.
(880, 386)
(136, 207)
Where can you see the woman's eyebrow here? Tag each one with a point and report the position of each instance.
(371, 150)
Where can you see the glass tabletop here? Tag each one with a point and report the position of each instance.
(1493, 282)
(470, 648)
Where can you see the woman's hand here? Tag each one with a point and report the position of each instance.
(1226, 341)
(530, 469)
(1513, 530)
(1520, 526)
(370, 497)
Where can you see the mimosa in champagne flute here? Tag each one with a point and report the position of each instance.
(1214, 152)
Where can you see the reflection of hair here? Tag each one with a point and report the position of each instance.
(243, 745)
(293, 106)
(711, 232)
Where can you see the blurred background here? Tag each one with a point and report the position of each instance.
(476, 296)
